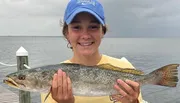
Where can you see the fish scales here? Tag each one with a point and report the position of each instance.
(90, 80)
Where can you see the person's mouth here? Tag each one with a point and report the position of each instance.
(86, 44)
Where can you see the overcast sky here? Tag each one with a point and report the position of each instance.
(125, 18)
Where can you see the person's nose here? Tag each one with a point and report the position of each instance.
(85, 34)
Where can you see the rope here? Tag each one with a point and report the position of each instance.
(8, 64)
(27, 66)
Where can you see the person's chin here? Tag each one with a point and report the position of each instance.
(86, 52)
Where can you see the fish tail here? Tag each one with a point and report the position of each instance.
(165, 76)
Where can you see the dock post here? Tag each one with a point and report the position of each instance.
(22, 58)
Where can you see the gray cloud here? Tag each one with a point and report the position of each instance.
(32, 7)
(31, 17)
(144, 18)
(125, 18)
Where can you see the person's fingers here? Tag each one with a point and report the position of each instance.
(128, 89)
(64, 78)
(134, 85)
(121, 91)
(69, 87)
(116, 98)
(61, 85)
(60, 80)
(54, 85)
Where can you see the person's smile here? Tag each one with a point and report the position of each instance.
(85, 44)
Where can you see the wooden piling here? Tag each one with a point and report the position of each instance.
(22, 58)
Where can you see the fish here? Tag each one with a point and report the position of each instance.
(95, 80)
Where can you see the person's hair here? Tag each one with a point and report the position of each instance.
(65, 29)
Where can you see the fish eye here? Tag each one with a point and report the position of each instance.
(21, 77)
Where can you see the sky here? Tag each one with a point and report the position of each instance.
(125, 18)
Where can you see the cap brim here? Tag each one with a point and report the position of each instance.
(71, 17)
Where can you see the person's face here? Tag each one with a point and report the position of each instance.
(84, 34)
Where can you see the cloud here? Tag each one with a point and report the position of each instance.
(33, 7)
(125, 18)
(31, 17)
(150, 18)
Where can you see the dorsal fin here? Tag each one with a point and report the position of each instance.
(124, 70)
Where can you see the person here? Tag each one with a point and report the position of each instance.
(84, 27)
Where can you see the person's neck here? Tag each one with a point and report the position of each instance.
(89, 60)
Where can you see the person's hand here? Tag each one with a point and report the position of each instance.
(61, 88)
(128, 90)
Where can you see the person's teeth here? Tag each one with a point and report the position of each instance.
(86, 44)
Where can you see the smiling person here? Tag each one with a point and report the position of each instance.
(84, 27)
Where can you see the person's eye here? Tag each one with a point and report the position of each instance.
(76, 27)
(94, 27)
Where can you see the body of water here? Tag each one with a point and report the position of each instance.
(146, 54)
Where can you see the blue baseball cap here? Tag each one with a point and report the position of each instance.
(91, 6)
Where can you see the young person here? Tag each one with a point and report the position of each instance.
(84, 27)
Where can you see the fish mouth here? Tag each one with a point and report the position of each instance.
(11, 82)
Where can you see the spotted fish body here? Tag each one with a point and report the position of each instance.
(90, 80)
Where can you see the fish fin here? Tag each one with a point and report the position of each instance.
(66, 63)
(72, 64)
(47, 95)
(124, 70)
(168, 75)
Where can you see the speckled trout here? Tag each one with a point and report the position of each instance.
(90, 80)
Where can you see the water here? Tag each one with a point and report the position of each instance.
(146, 54)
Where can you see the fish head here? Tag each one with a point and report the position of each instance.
(27, 80)
(19, 80)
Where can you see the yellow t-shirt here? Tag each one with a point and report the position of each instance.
(103, 99)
